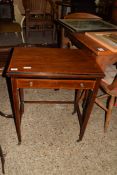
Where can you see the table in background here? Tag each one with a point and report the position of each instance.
(82, 25)
(53, 68)
(102, 54)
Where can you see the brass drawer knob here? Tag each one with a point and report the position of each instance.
(81, 85)
(31, 83)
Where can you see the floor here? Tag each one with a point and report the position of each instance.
(49, 138)
(35, 38)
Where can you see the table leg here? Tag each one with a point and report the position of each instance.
(16, 108)
(78, 96)
(87, 110)
(21, 95)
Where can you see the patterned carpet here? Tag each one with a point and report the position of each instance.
(49, 134)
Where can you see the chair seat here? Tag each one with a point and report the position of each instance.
(110, 73)
(105, 85)
(9, 27)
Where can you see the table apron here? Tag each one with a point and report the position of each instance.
(53, 83)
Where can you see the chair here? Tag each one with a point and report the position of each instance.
(39, 16)
(109, 92)
(108, 87)
(65, 41)
(15, 26)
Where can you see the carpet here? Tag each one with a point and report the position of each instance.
(49, 138)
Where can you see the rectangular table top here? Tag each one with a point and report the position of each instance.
(51, 63)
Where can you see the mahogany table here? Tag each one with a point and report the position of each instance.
(53, 68)
(104, 57)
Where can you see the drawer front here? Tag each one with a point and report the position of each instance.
(42, 83)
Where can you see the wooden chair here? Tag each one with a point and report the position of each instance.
(110, 93)
(14, 26)
(39, 16)
(65, 41)
(108, 87)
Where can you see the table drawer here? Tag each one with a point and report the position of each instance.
(42, 83)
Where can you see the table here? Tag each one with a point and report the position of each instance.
(104, 57)
(53, 68)
(84, 25)
(81, 26)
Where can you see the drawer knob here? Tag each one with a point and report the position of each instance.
(31, 83)
(81, 85)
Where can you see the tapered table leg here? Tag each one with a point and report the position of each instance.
(16, 108)
(87, 108)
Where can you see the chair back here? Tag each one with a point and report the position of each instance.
(39, 16)
(36, 6)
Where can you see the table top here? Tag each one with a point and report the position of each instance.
(83, 25)
(94, 46)
(52, 63)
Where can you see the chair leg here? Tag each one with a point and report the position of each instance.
(109, 112)
(21, 96)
